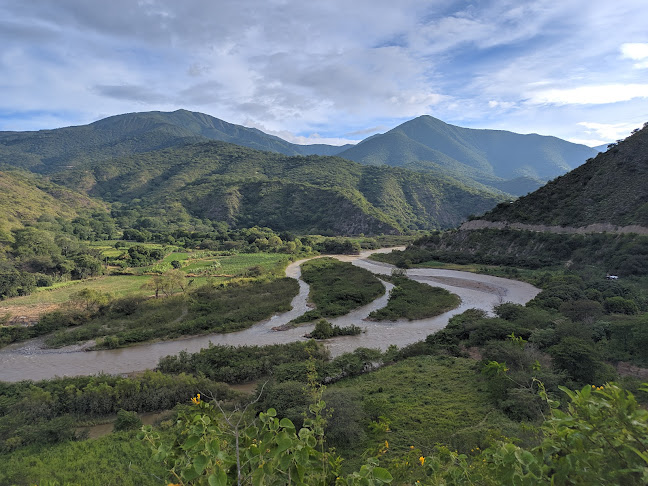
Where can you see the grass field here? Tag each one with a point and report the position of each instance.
(46, 299)
(114, 459)
(237, 264)
(427, 400)
(116, 285)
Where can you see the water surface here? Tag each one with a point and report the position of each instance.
(27, 361)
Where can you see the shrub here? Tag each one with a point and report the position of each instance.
(126, 421)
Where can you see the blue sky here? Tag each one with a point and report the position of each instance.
(331, 71)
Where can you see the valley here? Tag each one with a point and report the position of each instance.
(447, 320)
(24, 361)
(324, 243)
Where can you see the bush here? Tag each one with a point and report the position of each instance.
(619, 305)
(126, 421)
(323, 330)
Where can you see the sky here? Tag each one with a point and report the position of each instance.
(331, 71)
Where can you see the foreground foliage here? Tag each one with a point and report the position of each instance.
(117, 459)
(600, 438)
(46, 412)
(218, 448)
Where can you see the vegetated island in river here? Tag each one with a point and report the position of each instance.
(336, 288)
(414, 300)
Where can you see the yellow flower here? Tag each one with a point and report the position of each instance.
(386, 445)
(422, 460)
(196, 399)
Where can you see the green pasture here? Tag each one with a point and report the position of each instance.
(428, 400)
(114, 459)
(238, 264)
(116, 285)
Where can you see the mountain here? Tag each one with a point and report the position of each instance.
(49, 151)
(245, 187)
(497, 158)
(502, 160)
(25, 197)
(611, 188)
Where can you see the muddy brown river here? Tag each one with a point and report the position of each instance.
(28, 361)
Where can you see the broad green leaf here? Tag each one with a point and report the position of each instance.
(214, 446)
(382, 475)
(284, 442)
(190, 442)
(200, 462)
(189, 474)
(524, 457)
(219, 478)
(286, 423)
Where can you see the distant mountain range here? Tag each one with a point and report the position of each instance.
(611, 188)
(507, 161)
(49, 151)
(504, 161)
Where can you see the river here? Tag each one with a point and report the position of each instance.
(28, 361)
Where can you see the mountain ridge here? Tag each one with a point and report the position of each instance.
(494, 158)
(245, 187)
(609, 188)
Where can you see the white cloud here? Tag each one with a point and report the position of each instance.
(636, 52)
(595, 95)
(299, 139)
(505, 105)
(608, 131)
(590, 142)
(332, 68)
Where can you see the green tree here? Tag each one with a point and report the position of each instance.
(579, 358)
(89, 300)
(619, 305)
(126, 421)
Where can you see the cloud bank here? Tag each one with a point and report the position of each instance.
(328, 71)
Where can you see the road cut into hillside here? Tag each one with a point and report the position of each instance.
(29, 361)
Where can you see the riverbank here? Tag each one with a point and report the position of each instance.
(17, 362)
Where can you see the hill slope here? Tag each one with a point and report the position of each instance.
(312, 194)
(611, 188)
(48, 151)
(493, 157)
(502, 160)
(24, 198)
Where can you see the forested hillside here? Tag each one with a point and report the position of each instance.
(493, 157)
(48, 151)
(610, 188)
(244, 187)
(25, 197)
(503, 160)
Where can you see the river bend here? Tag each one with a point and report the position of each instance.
(27, 361)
